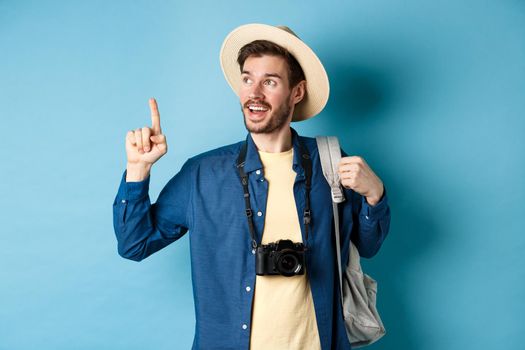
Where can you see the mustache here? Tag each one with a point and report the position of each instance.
(262, 103)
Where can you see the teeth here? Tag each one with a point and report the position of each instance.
(258, 108)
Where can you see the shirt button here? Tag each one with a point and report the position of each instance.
(257, 172)
(366, 217)
(253, 251)
(123, 201)
(244, 326)
(248, 289)
(262, 180)
(259, 213)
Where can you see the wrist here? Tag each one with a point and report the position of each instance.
(136, 172)
(374, 199)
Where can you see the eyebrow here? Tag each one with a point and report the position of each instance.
(274, 75)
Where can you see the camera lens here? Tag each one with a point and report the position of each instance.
(287, 264)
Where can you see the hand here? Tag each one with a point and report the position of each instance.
(146, 145)
(355, 174)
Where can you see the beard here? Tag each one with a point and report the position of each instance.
(275, 121)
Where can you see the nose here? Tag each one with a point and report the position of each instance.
(255, 92)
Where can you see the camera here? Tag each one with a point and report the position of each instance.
(283, 257)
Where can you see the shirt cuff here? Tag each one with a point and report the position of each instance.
(372, 212)
(133, 190)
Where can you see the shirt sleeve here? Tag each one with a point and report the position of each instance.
(142, 228)
(370, 223)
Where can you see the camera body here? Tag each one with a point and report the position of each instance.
(283, 257)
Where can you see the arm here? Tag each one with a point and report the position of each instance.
(371, 223)
(370, 210)
(142, 228)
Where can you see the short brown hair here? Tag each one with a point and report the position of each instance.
(258, 48)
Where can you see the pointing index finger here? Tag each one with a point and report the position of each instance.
(155, 116)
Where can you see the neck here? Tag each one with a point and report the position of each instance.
(278, 141)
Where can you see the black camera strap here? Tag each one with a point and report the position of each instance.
(307, 166)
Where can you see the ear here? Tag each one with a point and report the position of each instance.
(298, 92)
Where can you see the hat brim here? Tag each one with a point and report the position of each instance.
(317, 85)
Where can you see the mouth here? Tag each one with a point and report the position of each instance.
(257, 110)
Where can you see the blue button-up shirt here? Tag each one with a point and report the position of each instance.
(206, 199)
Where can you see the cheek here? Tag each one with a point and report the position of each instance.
(242, 99)
(243, 92)
(276, 98)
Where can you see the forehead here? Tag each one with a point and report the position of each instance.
(266, 64)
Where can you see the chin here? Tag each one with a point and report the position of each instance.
(256, 127)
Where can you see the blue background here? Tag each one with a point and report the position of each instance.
(430, 93)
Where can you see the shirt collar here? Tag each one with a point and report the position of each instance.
(253, 161)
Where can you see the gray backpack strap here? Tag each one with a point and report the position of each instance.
(358, 290)
(330, 156)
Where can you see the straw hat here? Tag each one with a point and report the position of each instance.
(317, 85)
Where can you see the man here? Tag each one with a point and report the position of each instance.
(240, 200)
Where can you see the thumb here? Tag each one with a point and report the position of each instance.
(158, 138)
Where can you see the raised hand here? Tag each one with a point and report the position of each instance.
(144, 146)
(355, 174)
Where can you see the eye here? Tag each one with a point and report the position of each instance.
(246, 80)
(270, 82)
